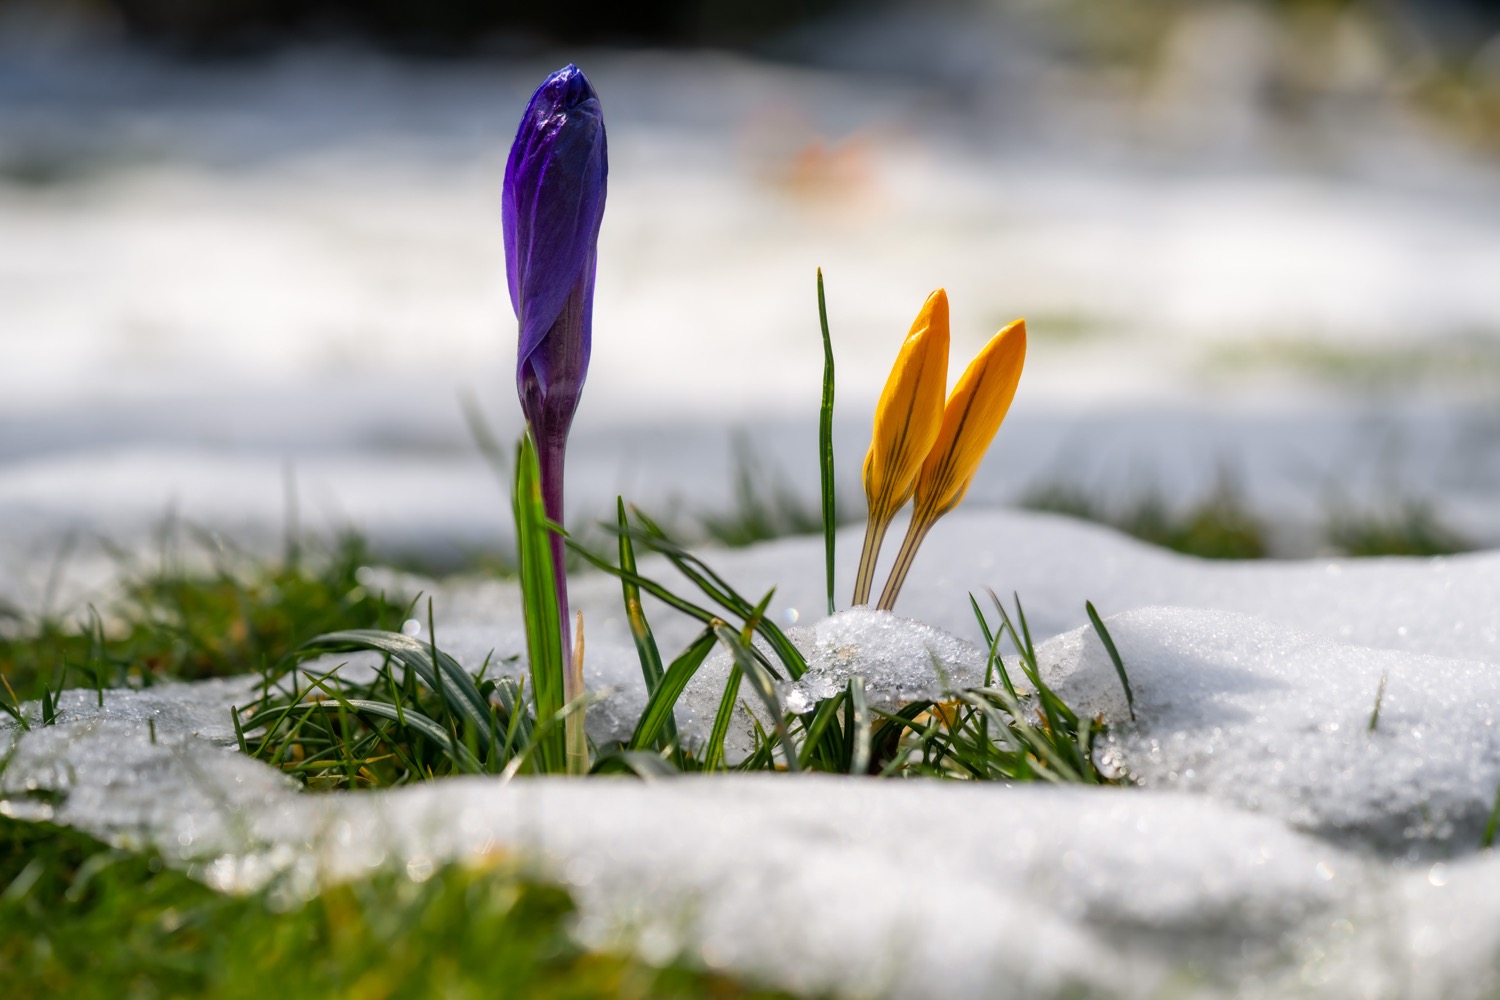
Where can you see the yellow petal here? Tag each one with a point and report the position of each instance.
(975, 409)
(910, 411)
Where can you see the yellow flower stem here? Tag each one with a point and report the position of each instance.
(875, 530)
(921, 524)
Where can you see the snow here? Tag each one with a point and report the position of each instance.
(1275, 844)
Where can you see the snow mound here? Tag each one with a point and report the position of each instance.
(901, 660)
(876, 888)
(1284, 722)
(1278, 845)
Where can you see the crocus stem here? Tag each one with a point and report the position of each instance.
(550, 454)
(914, 534)
(865, 578)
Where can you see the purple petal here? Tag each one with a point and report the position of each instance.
(553, 203)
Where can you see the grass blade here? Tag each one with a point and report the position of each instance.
(1114, 655)
(765, 687)
(640, 629)
(825, 443)
(540, 607)
(657, 715)
(443, 674)
(859, 724)
(413, 721)
(707, 581)
(646, 766)
(650, 586)
(713, 754)
(824, 744)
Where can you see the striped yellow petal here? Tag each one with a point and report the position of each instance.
(907, 418)
(978, 404)
(975, 409)
(910, 411)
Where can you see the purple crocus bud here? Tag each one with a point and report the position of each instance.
(553, 203)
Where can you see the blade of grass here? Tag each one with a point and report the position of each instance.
(455, 684)
(720, 591)
(433, 731)
(650, 586)
(540, 607)
(859, 725)
(824, 743)
(14, 709)
(825, 444)
(657, 714)
(713, 754)
(765, 687)
(640, 629)
(1114, 656)
(646, 766)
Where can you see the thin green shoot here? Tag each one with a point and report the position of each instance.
(858, 727)
(825, 445)
(540, 607)
(1114, 657)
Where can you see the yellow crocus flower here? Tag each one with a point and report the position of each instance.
(973, 414)
(907, 420)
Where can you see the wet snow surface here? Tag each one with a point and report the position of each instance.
(1275, 844)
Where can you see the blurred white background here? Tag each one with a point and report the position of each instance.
(1253, 239)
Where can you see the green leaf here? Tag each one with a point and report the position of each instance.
(651, 587)
(824, 744)
(646, 766)
(640, 629)
(657, 715)
(540, 607)
(442, 673)
(725, 595)
(1114, 655)
(859, 724)
(713, 754)
(414, 721)
(764, 685)
(825, 444)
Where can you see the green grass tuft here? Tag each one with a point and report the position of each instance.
(83, 920)
(1222, 525)
(1409, 528)
(182, 621)
(420, 715)
(1219, 526)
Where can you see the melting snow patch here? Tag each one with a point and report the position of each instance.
(1279, 846)
(1284, 722)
